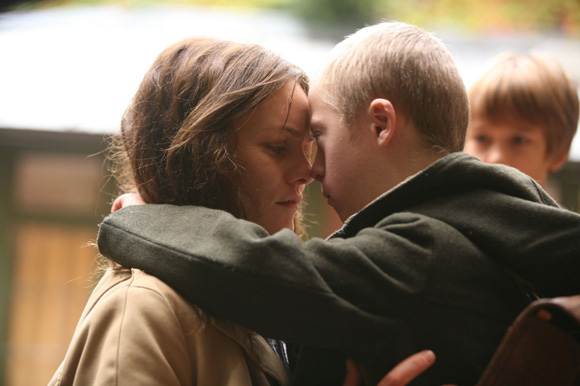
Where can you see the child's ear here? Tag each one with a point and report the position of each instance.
(558, 160)
(383, 119)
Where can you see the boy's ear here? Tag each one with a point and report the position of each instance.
(559, 160)
(383, 120)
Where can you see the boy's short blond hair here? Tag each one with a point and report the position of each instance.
(530, 88)
(409, 67)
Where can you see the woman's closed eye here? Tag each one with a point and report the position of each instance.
(277, 149)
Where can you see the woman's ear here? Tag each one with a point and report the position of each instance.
(383, 120)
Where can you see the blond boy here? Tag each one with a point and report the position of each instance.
(524, 114)
(430, 233)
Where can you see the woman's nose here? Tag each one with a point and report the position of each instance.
(302, 174)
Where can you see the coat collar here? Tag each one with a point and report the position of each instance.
(256, 348)
(452, 174)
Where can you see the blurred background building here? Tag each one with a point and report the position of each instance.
(68, 70)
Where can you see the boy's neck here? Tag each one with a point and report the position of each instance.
(403, 166)
(406, 156)
(387, 160)
(395, 167)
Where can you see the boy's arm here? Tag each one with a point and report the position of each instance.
(322, 293)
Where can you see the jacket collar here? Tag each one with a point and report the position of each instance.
(452, 174)
(256, 348)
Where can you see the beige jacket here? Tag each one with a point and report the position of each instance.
(136, 330)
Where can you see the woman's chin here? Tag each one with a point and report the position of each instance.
(274, 228)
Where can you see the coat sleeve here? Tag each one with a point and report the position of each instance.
(339, 293)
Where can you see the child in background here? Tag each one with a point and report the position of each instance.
(524, 113)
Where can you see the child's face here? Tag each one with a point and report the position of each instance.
(274, 152)
(342, 163)
(520, 145)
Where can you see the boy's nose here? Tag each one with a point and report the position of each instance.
(317, 170)
(497, 155)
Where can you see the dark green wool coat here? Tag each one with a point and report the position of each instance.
(425, 266)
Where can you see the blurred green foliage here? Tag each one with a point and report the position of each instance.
(336, 13)
(496, 16)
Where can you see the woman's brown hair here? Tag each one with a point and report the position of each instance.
(177, 141)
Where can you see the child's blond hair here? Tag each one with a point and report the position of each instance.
(409, 67)
(530, 88)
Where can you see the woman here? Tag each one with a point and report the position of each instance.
(218, 124)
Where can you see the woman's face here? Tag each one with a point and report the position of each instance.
(274, 152)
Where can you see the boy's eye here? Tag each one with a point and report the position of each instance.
(481, 138)
(520, 140)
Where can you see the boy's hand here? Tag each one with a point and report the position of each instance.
(400, 375)
(127, 199)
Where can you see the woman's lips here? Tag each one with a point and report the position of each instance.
(292, 203)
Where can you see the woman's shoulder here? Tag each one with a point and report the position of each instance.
(131, 319)
(117, 281)
(122, 292)
(146, 311)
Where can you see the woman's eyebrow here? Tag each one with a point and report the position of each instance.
(294, 132)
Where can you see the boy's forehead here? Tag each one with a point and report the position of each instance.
(506, 119)
(508, 127)
(314, 94)
(320, 111)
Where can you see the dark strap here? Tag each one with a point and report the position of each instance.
(525, 286)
